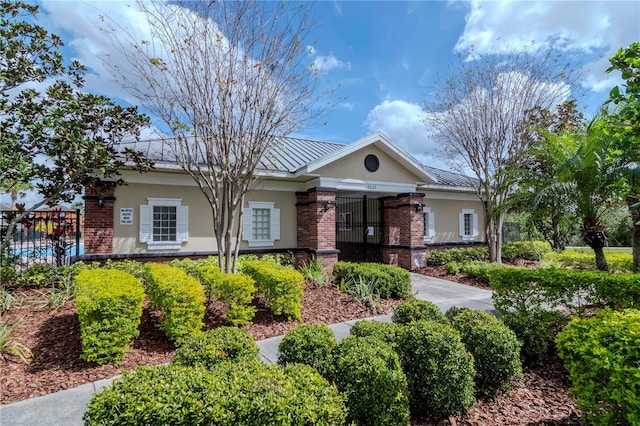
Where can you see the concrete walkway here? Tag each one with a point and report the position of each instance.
(65, 408)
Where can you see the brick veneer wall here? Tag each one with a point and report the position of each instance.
(403, 231)
(98, 222)
(316, 227)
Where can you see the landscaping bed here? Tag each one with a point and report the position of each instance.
(54, 338)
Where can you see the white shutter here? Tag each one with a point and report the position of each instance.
(275, 224)
(475, 225)
(247, 224)
(461, 224)
(182, 223)
(146, 224)
(432, 225)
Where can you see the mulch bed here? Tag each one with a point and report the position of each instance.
(54, 338)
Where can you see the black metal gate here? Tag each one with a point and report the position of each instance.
(359, 229)
(42, 236)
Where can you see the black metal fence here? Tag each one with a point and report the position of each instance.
(359, 229)
(43, 236)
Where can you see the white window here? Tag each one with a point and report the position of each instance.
(429, 224)
(164, 223)
(261, 224)
(468, 223)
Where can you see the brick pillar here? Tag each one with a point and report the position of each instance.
(302, 232)
(316, 228)
(98, 221)
(411, 251)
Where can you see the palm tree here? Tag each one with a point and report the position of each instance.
(582, 173)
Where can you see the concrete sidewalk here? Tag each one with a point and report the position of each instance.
(65, 408)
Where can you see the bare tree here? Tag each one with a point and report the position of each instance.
(477, 115)
(229, 79)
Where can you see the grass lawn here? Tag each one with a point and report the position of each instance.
(623, 250)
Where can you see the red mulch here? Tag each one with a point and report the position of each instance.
(54, 338)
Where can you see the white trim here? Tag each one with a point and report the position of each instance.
(431, 232)
(247, 224)
(362, 185)
(474, 225)
(457, 196)
(146, 223)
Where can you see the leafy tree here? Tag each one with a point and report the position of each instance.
(478, 113)
(57, 140)
(624, 128)
(228, 79)
(550, 212)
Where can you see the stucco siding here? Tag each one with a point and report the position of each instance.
(352, 167)
(200, 224)
(446, 219)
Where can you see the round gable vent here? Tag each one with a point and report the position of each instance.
(371, 163)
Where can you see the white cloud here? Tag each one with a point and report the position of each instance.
(590, 27)
(402, 122)
(325, 63)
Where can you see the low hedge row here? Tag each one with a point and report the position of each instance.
(235, 290)
(249, 393)
(282, 287)
(526, 250)
(602, 355)
(390, 281)
(179, 297)
(460, 255)
(618, 262)
(109, 305)
(215, 346)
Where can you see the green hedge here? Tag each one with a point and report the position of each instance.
(618, 262)
(460, 255)
(384, 331)
(233, 394)
(602, 354)
(215, 346)
(495, 349)
(417, 310)
(439, 369)
(109, 305)
(368, 372)
(309, 344)
(521, 289)
(179, 297)
(526, 250)
(282, 287)
(390, 281)
(235, 290)
(480, 269)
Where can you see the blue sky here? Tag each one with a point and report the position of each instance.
(385, 56)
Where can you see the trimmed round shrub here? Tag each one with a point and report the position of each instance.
(495, 349)
(368, 372)
(439, 370)
(215, 346)
(417, 310)
(309, 344)
(536, 331)
(384, 331)
(246, 393)
(602, 354)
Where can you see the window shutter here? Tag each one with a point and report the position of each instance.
(432, 224)
(247, 224)
(182, 223)
(275, 224)
(475, 225)
(461, 224)
(146, 213)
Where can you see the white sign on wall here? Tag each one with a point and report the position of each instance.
(126, 216)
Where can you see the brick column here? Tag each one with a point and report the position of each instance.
(411, 251)
(316, 228)
(98, 221)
